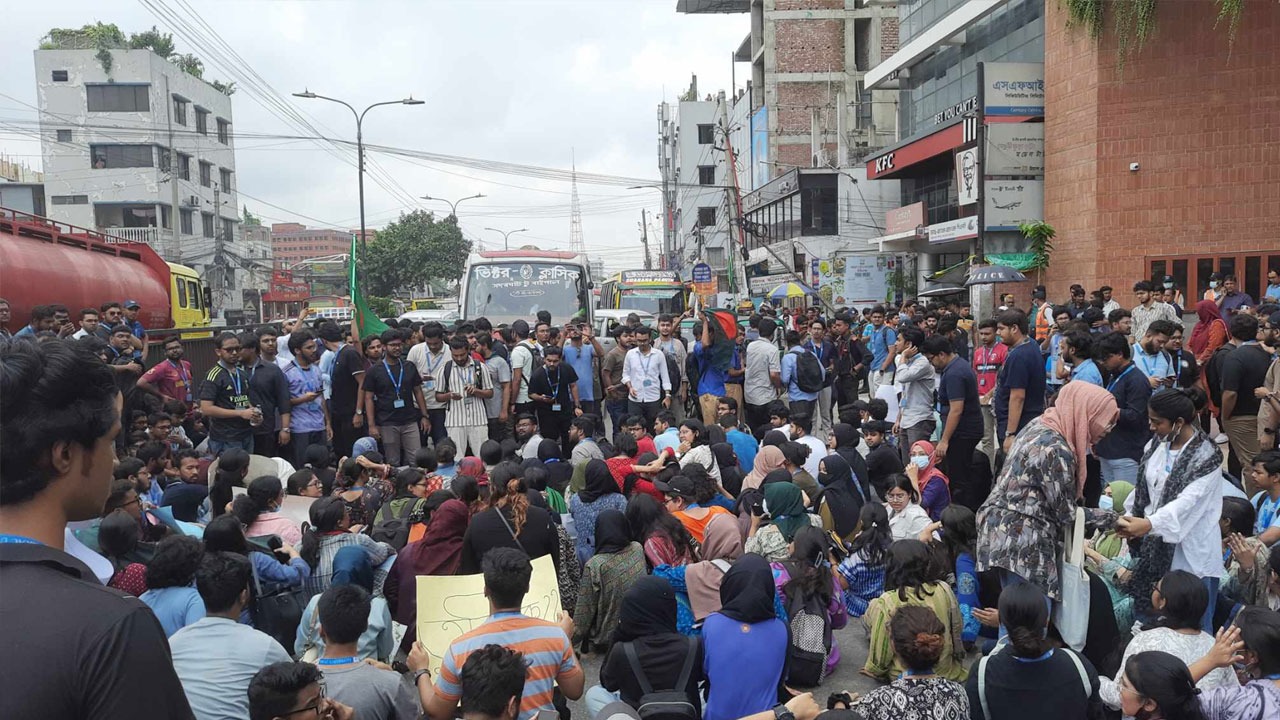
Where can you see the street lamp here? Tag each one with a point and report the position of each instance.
(359, 141)
(453, 206)
(506, 234)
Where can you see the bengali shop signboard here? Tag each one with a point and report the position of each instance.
(1013, 89)
(1015, 149)
(904, 219)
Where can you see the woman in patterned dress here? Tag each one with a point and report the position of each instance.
(919, 641)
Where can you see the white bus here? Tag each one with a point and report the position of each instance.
(509, 285)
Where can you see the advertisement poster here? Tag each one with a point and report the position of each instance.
(848, 280)
(967, 176)
(1015, 149)
(1009, 203)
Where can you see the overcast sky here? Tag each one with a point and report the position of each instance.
(521, 81)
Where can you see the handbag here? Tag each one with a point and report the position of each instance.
(277, 609)
(1071, 615)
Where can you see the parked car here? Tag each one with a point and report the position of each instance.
(607, 320)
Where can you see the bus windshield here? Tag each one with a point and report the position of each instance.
(655, 300)
(507, 291)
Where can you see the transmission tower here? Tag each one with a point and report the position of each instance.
(576, 243)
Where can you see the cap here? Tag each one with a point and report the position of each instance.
(1038, 293)
(131, 304)
(679, 485)
(1167, 278)
(1274, 319)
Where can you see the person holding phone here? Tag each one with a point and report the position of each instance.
(1152, 359)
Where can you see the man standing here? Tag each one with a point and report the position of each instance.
(496, 407)
(526, 357)
(615, 391)
(428, 358)
(1122, 448)
(1243, 370)
(961, 421)
(880, 339)
(1232, 300)
(465, 385)
(1148, 309)
(644, 372)
(1108, 303)
(225, 402)
(268, 349)
(5, 316)
(673, 348)
(711, 379)
(171, 379)
(850, 361)
(131, 308)
(1150, 357)
(988, 357)
(580, 353)
(41, 321)
(917, 379)
(763, 377)
(268, 391)
(346, 412)
(309, 417)
(1077, 304)
(553, 388)
(394, 402)
(88, 324)
(1020, 384)
(329, 340)
(825, 351)
(72, 648)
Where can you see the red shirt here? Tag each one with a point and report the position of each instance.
(172, 379)
(986, 364)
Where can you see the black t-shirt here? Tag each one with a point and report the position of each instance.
(383, 386)
(1242, 371)
(269, 390)
(882, 461)
(538, 537)
(75, 648)
(662, 657)
(1023, 368)
(185, 499)
(1052, 686)
(229, 390)
(348, 364)
(958, 382)
(555, 384)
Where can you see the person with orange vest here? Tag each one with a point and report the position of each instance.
(1041, 315)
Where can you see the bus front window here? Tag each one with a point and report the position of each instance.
(504, 292)
(653, 300)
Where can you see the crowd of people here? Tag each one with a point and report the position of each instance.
(1064, 507)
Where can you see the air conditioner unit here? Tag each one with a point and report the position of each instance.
(193, 201)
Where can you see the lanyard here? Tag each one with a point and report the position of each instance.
(645, 362)
(1048, 654)
(1119, 377)
(398, 380)
(816, 348)
(1148, 364)
(555, 384)
(236, 381)
(337, 661)
(177, 366)
(18, 540)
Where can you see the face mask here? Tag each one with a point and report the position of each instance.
(1213, 283)
(920, 461)
(1169, 438)
(1106, 502)
(1168, 286)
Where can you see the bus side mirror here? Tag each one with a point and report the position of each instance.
(591, 285)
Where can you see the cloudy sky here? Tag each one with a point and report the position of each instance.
(532, 82)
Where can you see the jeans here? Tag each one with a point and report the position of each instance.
(1206, 622)
(617, 411)
(597, 698)
(464, 436)
(401, 442)
(909, 436)
(438, 431)
(299, 443)
(1118, 469)
(217, 446)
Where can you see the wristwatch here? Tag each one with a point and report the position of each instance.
(417, 675)
(359, 411)
(782, 712)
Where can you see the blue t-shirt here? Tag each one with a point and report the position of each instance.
(742, 688)
(1267, 515)
(880, 340)
(1159, 365)
(711, 380)
(1055, 341)
(1087, 371)
(958, 382)
(580, 358)
(1023, 368)
(744, 446)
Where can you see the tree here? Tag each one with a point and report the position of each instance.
(226, 88)
(1039, 237)
(414, 250)
(153, 40)
(190, 64)
(251, 220)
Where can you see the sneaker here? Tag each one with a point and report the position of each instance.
(1221, 439)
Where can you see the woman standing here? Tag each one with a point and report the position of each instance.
(841, 498)
(1210, 332)
(745, 644)
(787, 514)
(1021, 524)
(608, 575)
(600, 494)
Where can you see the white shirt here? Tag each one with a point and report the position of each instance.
(761, 360)
(1188, 521)
(522, 360)
(646, 374)
(817, 451)
(429, 365)
(907, 524)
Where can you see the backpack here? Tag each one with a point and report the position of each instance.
(480, 374)
(535, 352)
(808, 372)
(810, 642)
(671, 704)
(394, 530)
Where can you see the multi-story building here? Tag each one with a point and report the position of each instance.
(138, 148)
(292, 243)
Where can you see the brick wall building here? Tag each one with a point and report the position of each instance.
(1201, 118)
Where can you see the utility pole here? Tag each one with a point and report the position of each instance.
(644, 238)
(734, 197)
(219, 261)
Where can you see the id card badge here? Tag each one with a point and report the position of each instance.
(429, 384)
(399, 403)
(555, 407)
(648, 382)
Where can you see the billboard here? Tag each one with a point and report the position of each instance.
(1015, 149)
(967, 176)
(848, 280)
(1009, 203)
(760, 147)
(1013, 89)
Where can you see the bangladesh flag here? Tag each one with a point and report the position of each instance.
(723, 325)
(364, 321)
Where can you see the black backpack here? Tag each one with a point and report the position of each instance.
(808, 372)
(667, 704)
(394, 530)
(810, 642)
(276, 608)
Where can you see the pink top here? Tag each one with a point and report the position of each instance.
(273, 523)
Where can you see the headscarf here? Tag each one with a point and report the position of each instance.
(847, 437)
(351, 566)
(781, 475)
(730, 473)
(721, 540)
(747, 592)
(612, 533)
(847, 440)
(599, 481)
(769, 458)
(775, 438)
(549, 450)
(1208, 312)
(1109, 543)
(1081, 413)
(364, 445)
(440, 549)
(648, 608)
(838, 490)
(474, 467)
(785, 504)
(930, 472)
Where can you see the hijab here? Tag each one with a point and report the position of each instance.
(730, 473)
(599, 481)
(767, 460)
(781, 475)
(549, 450)
(840, 493)
(747, 592)
(648, 608)
(1208, 312)
(930, 472)
(785, 504)
(847, 440)
(474, 467)
(351, 566)
(775, 438)
(440, 549)
(720, 541)
(612, 533)
(1080, 414)
(364, 445)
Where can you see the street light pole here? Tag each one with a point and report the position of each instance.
(359, 116)
(506, 234)
(453, 205)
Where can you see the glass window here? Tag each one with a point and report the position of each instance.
(707, 217)
(224, 177)
(202, 121)
(224, 131)
(706, 134)
(64, 136)
(184, 166)
(182, 291)
(197, 299)
(206, 174)
(706, 174)
(179, 110)
(207, 222)
(118, 98)
(120, 156)
(1204, 268)
(184, 217)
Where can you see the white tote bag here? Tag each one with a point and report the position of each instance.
(1071, 615)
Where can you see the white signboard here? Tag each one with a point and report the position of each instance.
(1013, 89)
(1015, 149)
(1009, 203)
(855, 279)
(967, 176)
(964, 228)
(763, 284)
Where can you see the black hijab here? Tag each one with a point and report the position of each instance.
(612, 533)
(775, 437)
(840, 494)
(781, 475)
(599, 482)
(648, 608)
(730, 471)
(847, 440)
(559, 471)
(747, 592)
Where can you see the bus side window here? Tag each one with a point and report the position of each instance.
(194, 290)
(182, 291)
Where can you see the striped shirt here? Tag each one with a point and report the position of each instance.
(546, 650)
(470, 411)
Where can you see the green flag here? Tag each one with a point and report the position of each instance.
(364, 321)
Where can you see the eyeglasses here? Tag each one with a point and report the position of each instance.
(122, 506)
(313, 707)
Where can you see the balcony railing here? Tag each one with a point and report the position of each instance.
(148, 235)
